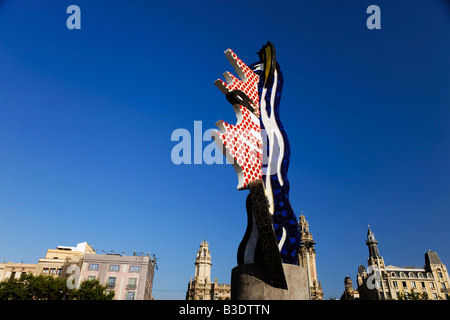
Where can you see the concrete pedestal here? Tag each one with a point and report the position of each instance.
(247, 283)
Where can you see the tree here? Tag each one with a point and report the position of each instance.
(12, 289)
(31, 287)
(47, 287)
(412, 295)
(92, 290)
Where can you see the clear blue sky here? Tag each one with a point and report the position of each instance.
(86, 118)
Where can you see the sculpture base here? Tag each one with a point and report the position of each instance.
(247, 283)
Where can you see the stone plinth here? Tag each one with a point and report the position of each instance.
(247, 283)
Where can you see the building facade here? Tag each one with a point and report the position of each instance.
(15, 270)
(381, 282)
(349, 293)
(130, 277)
(307, 259)
(201, 287)
(55, 263)
(57, 260)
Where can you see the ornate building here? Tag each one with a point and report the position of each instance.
(349, 292)
(381, 282)
(201, 288)
(307, 259)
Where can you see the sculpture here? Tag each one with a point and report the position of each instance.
(259, 149)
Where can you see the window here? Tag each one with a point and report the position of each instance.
(404, 284)
(58, 271)
(429, 275)
(420, 275)
(423, 285)
(395, 284)
(45, 270)
(134, 269)
(93, 266)
(431, 285)
(393, 274)
(130, 295)
(114, 267)
(90, 278)
(411, 275)
(402, 275)
(52, 271)
(443, 285)
(111, 282)
(435, 296)
(131, 284)
(413, 284)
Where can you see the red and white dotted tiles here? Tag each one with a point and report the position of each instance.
(243, 141)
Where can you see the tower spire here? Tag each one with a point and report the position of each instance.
(372, 243)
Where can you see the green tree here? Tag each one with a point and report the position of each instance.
(12, 289)
(92, 290)
(412, 295)
(46, 287)
(31, 287)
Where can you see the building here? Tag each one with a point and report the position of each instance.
(201, 288)
(130, 277)
(15, 270)
(55, 263)
(307, 259)
(349, 293)
(57, 260)
(381, 282)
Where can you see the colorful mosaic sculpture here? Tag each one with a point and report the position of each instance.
(259, 149)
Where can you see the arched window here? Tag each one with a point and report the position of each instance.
(420, 275)
(402, 275)
(393, 274)
(429, 276)
(411, 275)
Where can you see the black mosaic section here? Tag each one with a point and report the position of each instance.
(248, 231)
(267, 239)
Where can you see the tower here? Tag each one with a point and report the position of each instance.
(201, 288)
(349, 293)
(379, 288)
(438, 270)
(374, 255)
(203, 264)
(307, 259)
